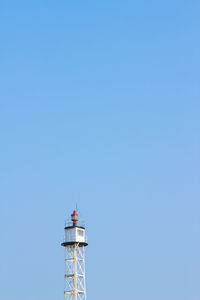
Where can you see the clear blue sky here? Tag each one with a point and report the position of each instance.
(100, 106)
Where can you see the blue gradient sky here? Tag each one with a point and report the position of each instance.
(100, 106)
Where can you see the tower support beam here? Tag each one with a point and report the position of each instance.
(75, 273)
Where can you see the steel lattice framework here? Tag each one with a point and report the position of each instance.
(75, 288)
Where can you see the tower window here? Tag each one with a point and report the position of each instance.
(80, 232)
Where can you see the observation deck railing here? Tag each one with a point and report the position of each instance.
(69, 223)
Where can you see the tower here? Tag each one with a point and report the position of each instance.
(74, 244)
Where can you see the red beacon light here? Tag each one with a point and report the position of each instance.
(74, 217)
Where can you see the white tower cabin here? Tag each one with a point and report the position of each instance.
(74, 244)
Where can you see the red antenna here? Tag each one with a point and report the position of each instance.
(74, 217)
